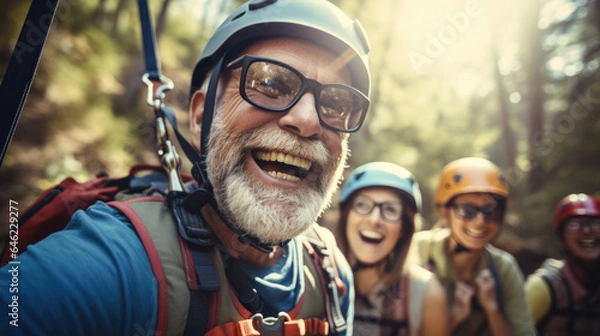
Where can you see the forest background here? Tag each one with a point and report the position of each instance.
(513, 81)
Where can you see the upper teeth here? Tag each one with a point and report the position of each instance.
(588, 243)
(474, 232)
(283, 158)
(371, 234)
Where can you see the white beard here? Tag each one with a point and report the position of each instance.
(271, 214)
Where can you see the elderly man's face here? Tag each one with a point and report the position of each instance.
(274, 172)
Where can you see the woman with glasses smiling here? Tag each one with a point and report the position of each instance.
(378, 205)
(564, 295)
(484, 284)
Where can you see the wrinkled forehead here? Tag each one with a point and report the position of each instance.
(312, 60)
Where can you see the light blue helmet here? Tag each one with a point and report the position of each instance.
(383, 174)
(317, 21)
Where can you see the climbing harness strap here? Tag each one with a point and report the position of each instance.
(22, 67)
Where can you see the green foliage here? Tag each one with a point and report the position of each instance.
(425, 119)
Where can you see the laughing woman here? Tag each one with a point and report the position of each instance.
(484, 284)
(378, 206)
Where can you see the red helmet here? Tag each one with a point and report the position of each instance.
(575, 205)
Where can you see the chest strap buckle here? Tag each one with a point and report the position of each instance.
(270, 326)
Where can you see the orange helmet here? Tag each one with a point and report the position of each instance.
(469, 175)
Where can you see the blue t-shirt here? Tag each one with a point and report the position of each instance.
(94, 278)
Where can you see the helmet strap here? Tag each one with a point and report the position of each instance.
(460, 248)
(363, 266)
(204, 194)
(199, 169)
(207, 116)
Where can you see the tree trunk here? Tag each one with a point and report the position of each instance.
(508, 138)
(162, 17)
(535, 82)
(121, 6)
(380, 67)
(100, 11)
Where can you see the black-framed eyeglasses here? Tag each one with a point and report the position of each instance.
(389, 211)
(467, 211)
(577, 224)
(276, 87)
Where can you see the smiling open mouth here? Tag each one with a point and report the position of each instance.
(475, 233)
(588, 243)
(371, 237)
(282, 166)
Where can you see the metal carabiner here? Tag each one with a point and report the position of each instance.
(270, 326)
(167, 153)
(154, 96)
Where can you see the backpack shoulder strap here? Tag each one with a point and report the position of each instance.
(395, 318)
(321, 245)
(203, 287)
(551, 271)
(187, 279)
(326, 240)
(495, 275)
(404, 297)
(151, 220)
(424, 246)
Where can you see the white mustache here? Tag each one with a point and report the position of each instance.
(279, 140)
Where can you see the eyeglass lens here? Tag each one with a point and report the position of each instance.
(390, 211)
(271, 85)
(490, 212)
(277, 87)
(577, 224)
